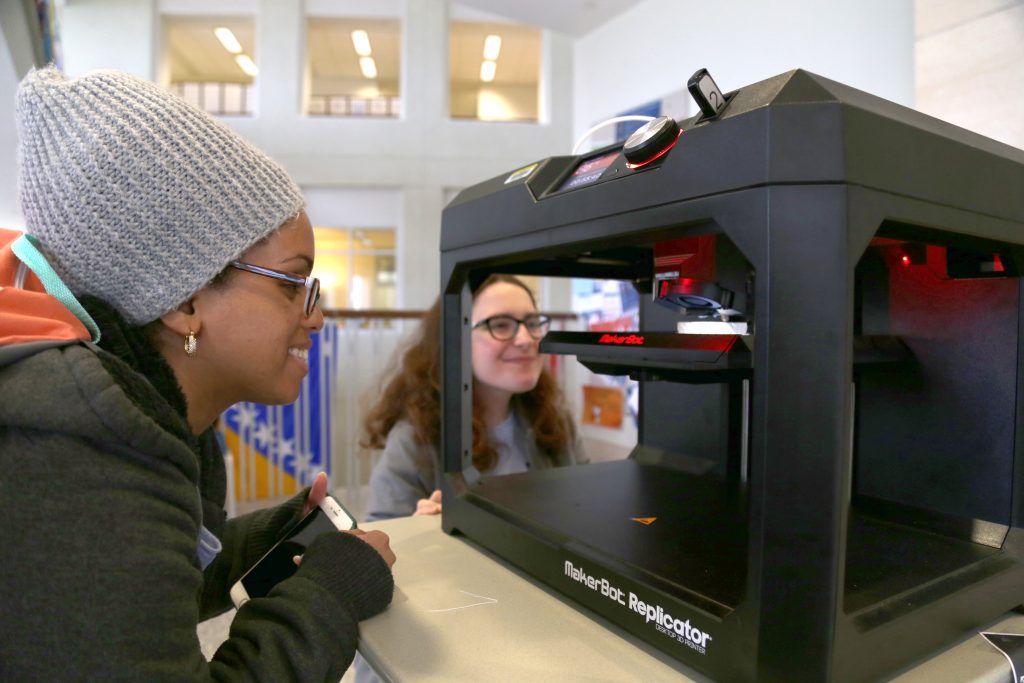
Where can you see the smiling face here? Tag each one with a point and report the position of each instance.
(254, 336)
(504, 368)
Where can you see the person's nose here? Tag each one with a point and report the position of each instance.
(522, 337)
(315, 320)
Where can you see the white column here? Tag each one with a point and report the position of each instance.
(10, 215)
(425, 62)
(419, 255)
(280, 53)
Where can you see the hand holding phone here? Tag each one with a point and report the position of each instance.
(278, 563)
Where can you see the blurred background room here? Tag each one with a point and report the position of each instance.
(383, 110)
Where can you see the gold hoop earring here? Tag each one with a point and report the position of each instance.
(191, 342)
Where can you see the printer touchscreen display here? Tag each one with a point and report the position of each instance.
(588, 171)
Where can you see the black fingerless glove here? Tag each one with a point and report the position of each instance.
(352, 570)
(269, 526)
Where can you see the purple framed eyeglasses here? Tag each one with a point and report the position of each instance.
(311, 284)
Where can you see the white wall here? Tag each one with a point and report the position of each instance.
(652, 49)
(109, 34)
(341, 207)
(970, 65)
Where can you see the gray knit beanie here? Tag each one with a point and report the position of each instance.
(137, 197)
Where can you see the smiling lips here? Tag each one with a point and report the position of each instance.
(521, 359)
(301, 354)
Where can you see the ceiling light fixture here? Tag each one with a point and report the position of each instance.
(227, 39)
(361, 42)
(247, 65)
(492, 47)
(487, 71)
(368, 67)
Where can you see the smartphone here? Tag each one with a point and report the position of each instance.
(277, 564)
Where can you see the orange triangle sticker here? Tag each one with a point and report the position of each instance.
(646, 521)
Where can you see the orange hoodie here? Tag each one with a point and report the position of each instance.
(28, 313)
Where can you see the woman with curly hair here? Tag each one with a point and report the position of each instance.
(520, 422)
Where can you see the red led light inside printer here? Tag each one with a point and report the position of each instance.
(912, 254)
(686, 285)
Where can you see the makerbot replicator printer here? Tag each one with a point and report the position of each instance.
(828, 353)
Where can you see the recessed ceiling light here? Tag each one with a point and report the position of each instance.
(361, 42)
(487, 71)
(227, 39)
(492, 47)
(368, 67)
(247, 65)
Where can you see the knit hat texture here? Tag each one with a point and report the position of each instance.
(139, 198)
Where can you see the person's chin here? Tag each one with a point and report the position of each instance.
(522, 386)
(283, 394)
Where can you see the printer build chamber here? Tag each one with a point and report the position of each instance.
(836, 483)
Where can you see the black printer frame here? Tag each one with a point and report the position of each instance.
(786, 609)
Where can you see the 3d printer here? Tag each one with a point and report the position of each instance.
(829, 355)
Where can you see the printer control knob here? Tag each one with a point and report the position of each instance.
(650, 141)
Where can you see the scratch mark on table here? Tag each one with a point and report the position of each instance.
(485, 599)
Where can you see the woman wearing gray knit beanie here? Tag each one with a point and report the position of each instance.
(187, 251)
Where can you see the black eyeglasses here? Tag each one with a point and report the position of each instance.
(505, 327)
(311, 284)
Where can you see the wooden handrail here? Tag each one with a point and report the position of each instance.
(375, 313)
(391, 314)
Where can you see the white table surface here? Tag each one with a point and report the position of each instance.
(462, 614)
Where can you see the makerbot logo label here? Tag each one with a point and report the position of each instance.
(664, 622)
(630, 339)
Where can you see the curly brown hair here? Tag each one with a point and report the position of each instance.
(413, 392)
